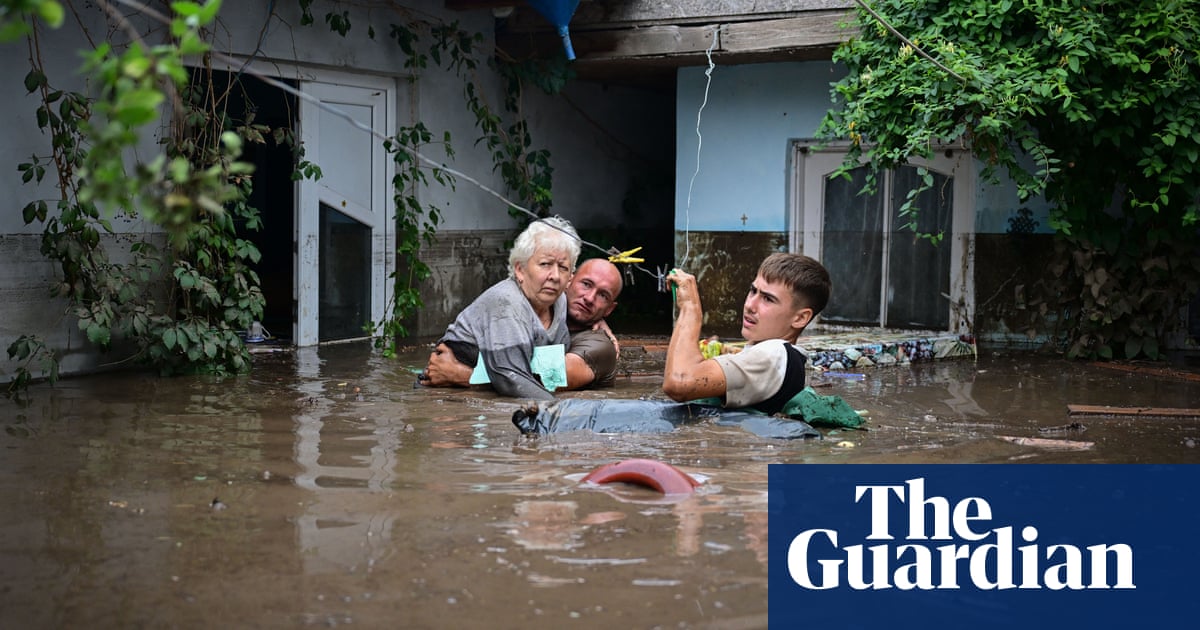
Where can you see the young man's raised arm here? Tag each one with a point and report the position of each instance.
(688, 374)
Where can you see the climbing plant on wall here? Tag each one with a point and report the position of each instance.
(179, 300)
(1093, 105)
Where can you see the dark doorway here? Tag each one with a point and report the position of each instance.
(273, 194)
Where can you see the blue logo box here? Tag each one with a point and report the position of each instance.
(984, 546)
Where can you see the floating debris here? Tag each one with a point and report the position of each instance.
(597, 561)
(1108, 410)
(1055, 445)
(1064, 428)
(655, 582)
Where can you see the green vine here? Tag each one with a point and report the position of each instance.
(1091, 105)
(178, 302)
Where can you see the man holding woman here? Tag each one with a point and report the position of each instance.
(504, 331)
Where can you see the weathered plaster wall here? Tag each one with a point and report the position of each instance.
(752, 113)
(725, 263)
(738, 209)
(997, 202)
(461, 264)
(26, 306)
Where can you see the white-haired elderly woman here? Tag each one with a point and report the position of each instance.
(512, 317)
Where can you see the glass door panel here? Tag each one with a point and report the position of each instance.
(344, 303)
(918, 270)
(852, 250)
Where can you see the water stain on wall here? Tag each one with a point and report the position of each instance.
(725, 263)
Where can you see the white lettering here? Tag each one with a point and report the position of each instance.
(797, 560)
(990, 566)
(963, 517)
(1124, 556)
(1068, 574)
(1004, 570)
(950, 555)
(916, 512)
(918, 573)
(879, 508)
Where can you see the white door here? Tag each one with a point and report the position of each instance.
(883, 273)
(344, 252)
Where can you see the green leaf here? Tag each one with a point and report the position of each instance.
(34, 80)
(51, 13)
(12, 29)
(168, 338)
(99, 335)
(186, 9)
(138, 107)
(1133, 346)
(209, 12)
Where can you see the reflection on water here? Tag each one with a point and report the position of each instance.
(352, 498)
(335, 532)
(545, 525)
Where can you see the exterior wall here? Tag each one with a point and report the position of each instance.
(738, 203)
(1015, 263)
(605, 142)
(725, 264)
(752, 113)
(1012, 262)
(25, 274)
(738, 209)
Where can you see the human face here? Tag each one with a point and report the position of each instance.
(543, 277)
(592, 294)
(770, 312)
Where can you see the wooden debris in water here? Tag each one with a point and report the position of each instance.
(1107, 410)
(1149, 370)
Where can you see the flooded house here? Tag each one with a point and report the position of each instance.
(687, 129)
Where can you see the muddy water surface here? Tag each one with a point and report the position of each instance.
(324, 490)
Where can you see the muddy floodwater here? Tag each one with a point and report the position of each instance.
(324, 490)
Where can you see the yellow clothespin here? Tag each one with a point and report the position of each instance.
(626, 257)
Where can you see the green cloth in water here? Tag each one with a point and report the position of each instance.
(813, 408)
(822, 410)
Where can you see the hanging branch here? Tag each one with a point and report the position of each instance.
(889, 27)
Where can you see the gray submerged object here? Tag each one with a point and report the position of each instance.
(649, 416)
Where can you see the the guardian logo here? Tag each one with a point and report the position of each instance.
(949, 546)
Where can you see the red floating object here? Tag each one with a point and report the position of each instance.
(657, 475)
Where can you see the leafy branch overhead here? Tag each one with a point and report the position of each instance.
(178, 308)
(1092, 105)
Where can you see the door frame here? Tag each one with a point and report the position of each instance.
(810, 164)
(359, 89)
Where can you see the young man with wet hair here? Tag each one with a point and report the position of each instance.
(787, 294)
(591, 357)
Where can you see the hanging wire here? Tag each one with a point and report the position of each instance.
(687, 211)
